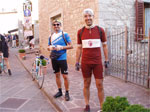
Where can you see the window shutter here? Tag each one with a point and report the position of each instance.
(139, 5)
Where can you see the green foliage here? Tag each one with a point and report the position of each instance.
(21, 51)
(117, 104)
(121, 104)
(136, 108)
(43, 62)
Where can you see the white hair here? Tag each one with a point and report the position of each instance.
(88, 11)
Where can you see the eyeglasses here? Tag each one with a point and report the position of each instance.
(56, 24)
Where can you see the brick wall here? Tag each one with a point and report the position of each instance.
(71, 11)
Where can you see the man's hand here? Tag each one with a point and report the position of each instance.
(50, 48)
(59, 47)
(77, 66)
(106, 64)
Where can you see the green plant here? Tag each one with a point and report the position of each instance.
(136, 108)
(117, 104)
(21, 51)
(43, 62)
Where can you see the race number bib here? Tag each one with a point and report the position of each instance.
(91, 43)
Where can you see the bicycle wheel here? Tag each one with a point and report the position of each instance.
(40, 77)
(33, 72)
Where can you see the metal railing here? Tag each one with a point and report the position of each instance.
(129, 59)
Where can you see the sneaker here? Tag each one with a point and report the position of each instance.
(9, 72)
(87, 108)
(67, 97)
(58, 94)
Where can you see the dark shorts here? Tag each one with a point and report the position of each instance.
(30, 38)
(60, 65)
(96, 69)
(5, 54)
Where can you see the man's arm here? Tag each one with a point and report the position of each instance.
(59, 47)
(69, 46)
(78, 53)
(105, 50)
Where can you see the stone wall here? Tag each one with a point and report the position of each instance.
(114, 13)
(71, 13)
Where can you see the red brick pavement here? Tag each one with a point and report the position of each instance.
(112, 87)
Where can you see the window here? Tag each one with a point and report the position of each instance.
(142, 18)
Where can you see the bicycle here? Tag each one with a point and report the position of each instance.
(39, 69)
(3, 67)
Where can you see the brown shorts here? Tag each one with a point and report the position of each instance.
(96, 69)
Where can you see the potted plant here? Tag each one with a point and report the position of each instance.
(22, 53)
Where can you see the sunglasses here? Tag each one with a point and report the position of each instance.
(56, 24)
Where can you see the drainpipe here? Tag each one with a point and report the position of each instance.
(148, 69)
(126, 54)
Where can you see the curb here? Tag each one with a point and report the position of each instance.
(50, 98)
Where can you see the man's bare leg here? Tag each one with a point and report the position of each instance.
(99, 85)
(86, 90)
(58, 82)
(8, 65)
(66, 83)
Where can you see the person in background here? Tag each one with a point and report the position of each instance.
(4, 50)
(14, 41)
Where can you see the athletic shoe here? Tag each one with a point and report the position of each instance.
(87, 108)
(67, 97)
(58, 94)
(9, 72)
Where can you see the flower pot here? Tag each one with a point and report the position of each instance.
(22, 55)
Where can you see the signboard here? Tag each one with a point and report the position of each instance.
(27, 11)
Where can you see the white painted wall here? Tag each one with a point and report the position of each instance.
(10, 21)
(113, 13)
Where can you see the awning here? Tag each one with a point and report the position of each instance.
(146, 1)
(14, 30)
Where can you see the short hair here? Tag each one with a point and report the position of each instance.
(42, 57)
(89, 11)
(56, 20)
